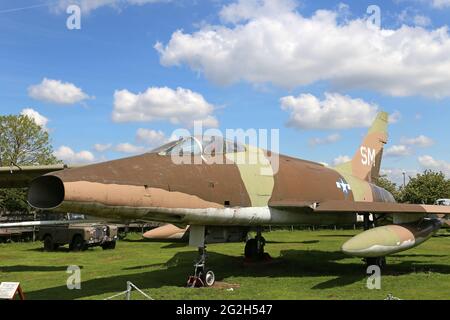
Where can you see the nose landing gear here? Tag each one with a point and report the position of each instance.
(202, 277)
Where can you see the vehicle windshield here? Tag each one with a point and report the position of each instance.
(204, 145)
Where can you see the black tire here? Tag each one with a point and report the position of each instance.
(78, 243)
(109, 245)
(48, 243)
(251, 249)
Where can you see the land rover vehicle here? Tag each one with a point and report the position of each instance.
(78, 236)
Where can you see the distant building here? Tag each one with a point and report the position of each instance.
(442, 202)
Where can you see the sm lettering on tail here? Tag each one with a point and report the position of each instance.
(367, 156)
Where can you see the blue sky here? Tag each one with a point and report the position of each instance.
(74, 81)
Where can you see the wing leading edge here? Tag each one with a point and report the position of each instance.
(340, 206)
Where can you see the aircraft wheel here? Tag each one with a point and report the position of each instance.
(209, 278)
(48, 243)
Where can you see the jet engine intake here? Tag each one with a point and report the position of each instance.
(46, 192)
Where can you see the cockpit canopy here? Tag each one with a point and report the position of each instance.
(200, 145)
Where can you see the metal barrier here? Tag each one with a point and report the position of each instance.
(127, 292)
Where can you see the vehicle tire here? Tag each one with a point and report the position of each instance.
(251, 249)
(48, 243)
(209, 278)
(78, 243)
(109, 245)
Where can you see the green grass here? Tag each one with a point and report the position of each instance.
(306, 265)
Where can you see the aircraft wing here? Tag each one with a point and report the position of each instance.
(21, 176)
(23, 224)
(339, 206)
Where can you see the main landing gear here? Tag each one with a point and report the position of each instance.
(254, 248)
(377, 261)
(202, 277)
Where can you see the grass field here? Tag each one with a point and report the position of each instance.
(306, 265)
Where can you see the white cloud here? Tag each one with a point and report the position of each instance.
(251, 9)
(397, 151)
(270, 42)
(38, 118)
(340, 160)
(336, 111)
(332, 138)
(180, 106)
(66, 154)
(421, 20)
(151, 137)
(420, 141)
(428, 162)
(129, 148)
(56, 91)
(395, 117)
(90, 5)
(102, 147)
(440, 4)
(412, 16)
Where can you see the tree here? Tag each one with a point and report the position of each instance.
(22, 142)
(390, 186)
(427, 187)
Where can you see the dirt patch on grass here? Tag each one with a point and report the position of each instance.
(225, 285)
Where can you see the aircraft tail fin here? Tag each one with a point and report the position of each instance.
(366, 162)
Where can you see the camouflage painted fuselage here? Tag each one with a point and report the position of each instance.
(152, 187)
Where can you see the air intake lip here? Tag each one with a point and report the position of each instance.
(46, 192)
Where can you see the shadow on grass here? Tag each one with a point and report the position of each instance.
(175, 245)
(441, 235)
(291, 263)
(301, 242)
(154, 265)
(64, 250)
(23, 268)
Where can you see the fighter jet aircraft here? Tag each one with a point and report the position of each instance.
(236, 195)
